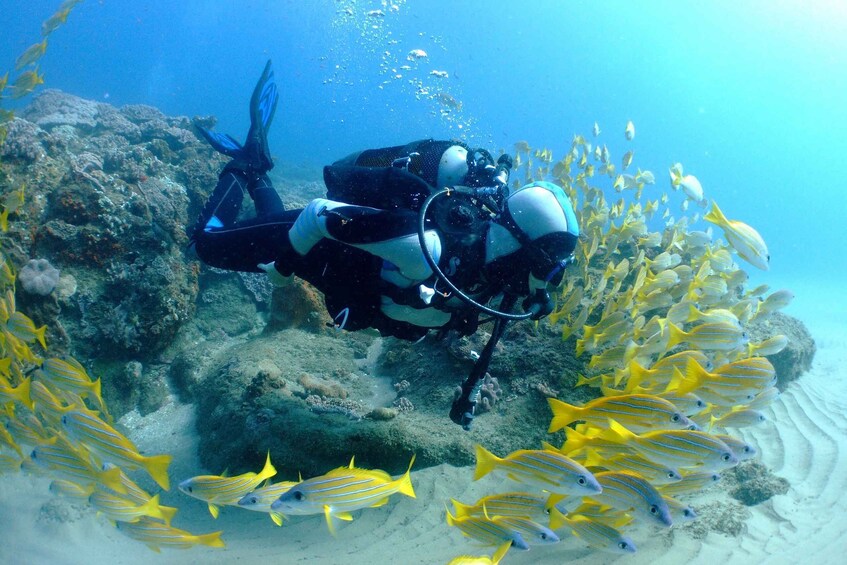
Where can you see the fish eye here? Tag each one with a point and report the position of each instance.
(726, 457)
(675, 418)
(687, 512)
(253, 500)
(189, 489)
(654, 509)
(298, 495)
(623, 545)
(65, 419)
(581, 480)
(543, 535)
(671, 475)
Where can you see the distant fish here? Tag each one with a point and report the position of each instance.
(596, 130)
(31, 55)
(447, 100)
(416, 54)
(439, 74)
(26, 83)
(629, 132)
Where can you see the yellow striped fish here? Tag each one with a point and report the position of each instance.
(63, 459)
(721, 336)
(70, 375)
(23, 328)
(542, 468)
(681, 448)
(599, 536)
(121, 509)
(738, 418)
(741, 448)
(157, 535)
(734, 381)
(487, 531)
(638, 412)
(504, 504)
(627, 491)
(680, 511)
(691, 482)
(113, 446)
(260, 500)
(217, 491)
(532, 532)
(9, 464)
(70, 489)
(343, 490)
(654, 472)
(49, 406)
(661, 373)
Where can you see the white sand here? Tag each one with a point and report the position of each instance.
(805, 442)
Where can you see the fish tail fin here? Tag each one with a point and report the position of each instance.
(485, 462)
(676, 337)
(563, 414)
(168, 513)
(4, 220)
(461, 509)
(637, 373)
(214, 510)
(157, 467)
(39, 335)
(96, 390)
(715, 215)
(574, 441)
(212, 540)
(580, 347)
(22, 393)
(405, 482)
(451, 520)
(277, 518)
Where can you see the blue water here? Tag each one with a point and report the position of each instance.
(749, 96)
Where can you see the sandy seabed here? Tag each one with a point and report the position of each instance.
(805, 442)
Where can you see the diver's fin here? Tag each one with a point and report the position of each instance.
(262, 109)
(254, 156)
(264, 99)
(221, 142)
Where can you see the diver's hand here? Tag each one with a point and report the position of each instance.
(540, 304)
(276, 278)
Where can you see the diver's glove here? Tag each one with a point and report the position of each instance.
(276, 278)
(540, 304)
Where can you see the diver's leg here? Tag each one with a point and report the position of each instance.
(265, 198)
(391, 235)
(224, 203)
(242, 246)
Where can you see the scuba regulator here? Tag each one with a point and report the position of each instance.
(457, 209)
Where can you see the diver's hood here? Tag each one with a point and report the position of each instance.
(538, 219)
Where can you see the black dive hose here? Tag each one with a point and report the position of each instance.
(434, 265)
(464, 406)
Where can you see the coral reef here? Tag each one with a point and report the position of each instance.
(39, 277)
(797, 356)
(755, 483)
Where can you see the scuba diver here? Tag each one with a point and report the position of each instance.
(411, 238)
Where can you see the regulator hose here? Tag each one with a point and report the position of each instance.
(434, 265)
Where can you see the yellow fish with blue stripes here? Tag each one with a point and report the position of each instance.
(112, 446)
(638, 412)
(342, 490)
(216, 490)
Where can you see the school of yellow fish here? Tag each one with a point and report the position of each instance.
(659, 315)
